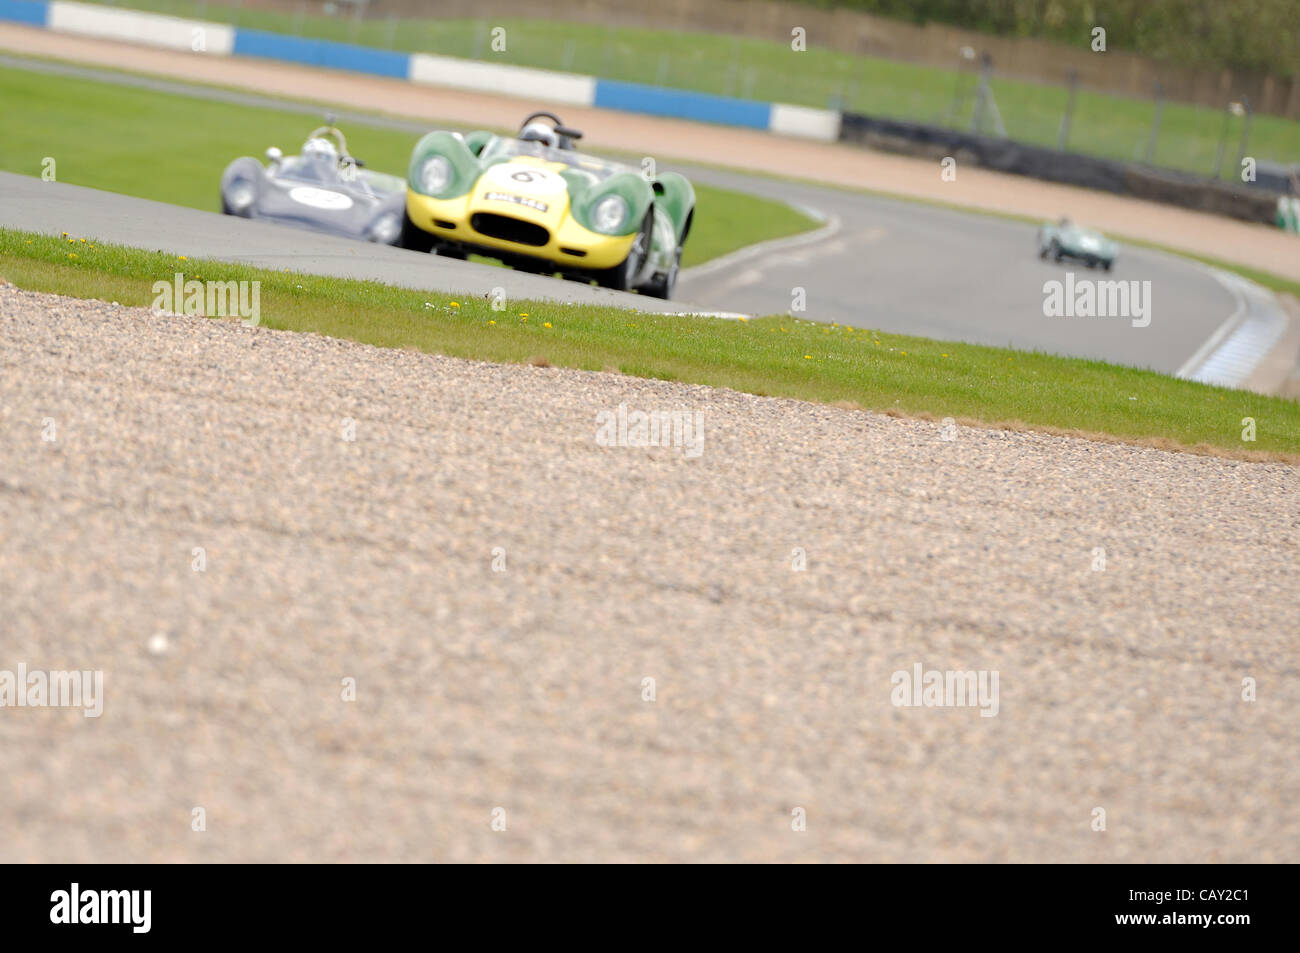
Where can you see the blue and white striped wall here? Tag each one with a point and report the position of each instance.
(219, 39)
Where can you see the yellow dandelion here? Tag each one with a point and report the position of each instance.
(491, 322)
(72, 254)
(523, 314)
(83, 241)
(181, 258)
(807, 357)
(455, 304)
(547, 324)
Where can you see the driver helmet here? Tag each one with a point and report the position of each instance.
(540, 132)
(320, 153)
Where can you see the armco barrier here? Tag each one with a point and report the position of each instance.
(1070, 168)
(657, 101)
(296, 49)
(477, 75)
(34, 12)
(568, 88)
(85, 19)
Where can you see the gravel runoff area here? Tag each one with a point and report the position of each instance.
(129, 440)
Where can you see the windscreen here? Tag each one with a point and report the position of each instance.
(510, 148)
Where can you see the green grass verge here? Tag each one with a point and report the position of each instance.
(1111, 126)
(770, 356)
(173, 148)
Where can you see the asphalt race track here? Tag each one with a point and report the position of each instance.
(920, 269)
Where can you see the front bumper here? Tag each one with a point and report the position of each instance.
(567, 244)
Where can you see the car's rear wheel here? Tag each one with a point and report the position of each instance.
(1055, 251)
(662, 286)
(414, 237)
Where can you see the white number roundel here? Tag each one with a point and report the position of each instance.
(320, 198)
(525, 180)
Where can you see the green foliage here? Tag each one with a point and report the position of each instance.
(1256, 35)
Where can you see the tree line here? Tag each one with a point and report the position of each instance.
(1255, 35)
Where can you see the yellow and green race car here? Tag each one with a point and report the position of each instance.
(539, 205)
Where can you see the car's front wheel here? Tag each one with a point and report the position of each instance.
(662, 286)
(414, 237)
(240, 187)
(621, 277)
(1055, 251)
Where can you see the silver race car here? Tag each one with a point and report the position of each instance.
(1065, 239)
(323, 189)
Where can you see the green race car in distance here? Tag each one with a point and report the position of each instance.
(539, 205)
(1064, 239)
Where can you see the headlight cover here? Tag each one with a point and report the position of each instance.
(609, 213)
(435, 174)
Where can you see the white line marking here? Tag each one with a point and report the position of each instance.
(831, 227)
(1212, 342)
(1233, 352)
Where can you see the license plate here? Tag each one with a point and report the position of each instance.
(517, 200)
